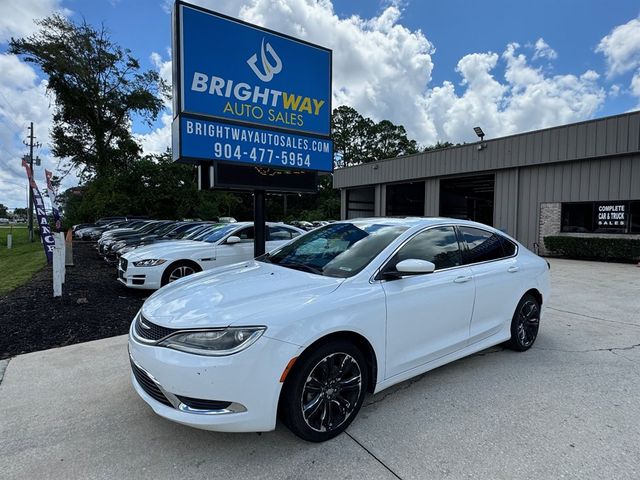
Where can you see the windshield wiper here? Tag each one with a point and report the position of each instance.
(302, 267)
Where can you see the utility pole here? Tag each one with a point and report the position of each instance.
(31, 146)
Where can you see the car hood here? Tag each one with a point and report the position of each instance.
(248, 293)
(117, 231)
(168, 250)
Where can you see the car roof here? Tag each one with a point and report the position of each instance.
(411, 222)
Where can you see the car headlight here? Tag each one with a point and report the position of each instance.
(214, 342)
(150, 262)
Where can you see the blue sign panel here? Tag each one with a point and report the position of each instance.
(208, 140)
(233, 71)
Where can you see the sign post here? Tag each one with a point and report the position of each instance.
(253, 104)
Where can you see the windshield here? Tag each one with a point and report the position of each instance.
(217, 233)
(336, 250)
(164, 229)
(196, 232)
(189, 231)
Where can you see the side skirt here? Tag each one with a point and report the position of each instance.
(496, 339)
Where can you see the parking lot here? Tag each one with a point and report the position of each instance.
(567, 408)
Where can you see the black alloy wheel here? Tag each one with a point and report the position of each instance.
(325, 391)
(525, 324)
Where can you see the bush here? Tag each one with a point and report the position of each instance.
(595, 248)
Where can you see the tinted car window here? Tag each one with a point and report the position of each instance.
(279, 233)
(437, 245)
(483, 246)
(245, 234)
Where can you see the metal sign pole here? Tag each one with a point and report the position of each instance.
(259, 225)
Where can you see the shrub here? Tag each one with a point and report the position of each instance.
(595, 248)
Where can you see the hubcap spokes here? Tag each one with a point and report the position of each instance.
(529, 320)
(331, 391)
(180, 272)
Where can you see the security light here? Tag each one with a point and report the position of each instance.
(479, 132)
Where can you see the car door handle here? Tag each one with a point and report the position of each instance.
(513, 269)
(462, 279)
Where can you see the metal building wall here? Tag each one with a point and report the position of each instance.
(610, 136)
(592, 180)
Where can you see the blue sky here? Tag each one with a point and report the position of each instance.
(436, 67)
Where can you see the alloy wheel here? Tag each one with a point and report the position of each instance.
(331, 392)
(180, 272)
(528, 323)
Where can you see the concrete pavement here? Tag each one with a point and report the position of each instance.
(568, 408)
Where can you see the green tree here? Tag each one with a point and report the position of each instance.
(3, 211)
(20, 212)
(97, 86)
(358, 139)
(351, 134)
(437, 146)
(389, 140)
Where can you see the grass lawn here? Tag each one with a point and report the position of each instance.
(19, 263)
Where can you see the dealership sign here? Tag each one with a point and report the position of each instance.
(244, 94)
(611, 216)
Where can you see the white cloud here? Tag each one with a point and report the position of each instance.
(383, 70)
(543, 50)
(621, 48)
(525, 100)
(23, 99)
(17, 18)
(635, 87)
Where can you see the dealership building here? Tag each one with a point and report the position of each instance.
(581, 179)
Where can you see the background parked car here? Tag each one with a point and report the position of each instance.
(158, 264)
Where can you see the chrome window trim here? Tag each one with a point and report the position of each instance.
(455, 226)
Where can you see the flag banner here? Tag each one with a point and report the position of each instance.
(48, 241)
(52, 197)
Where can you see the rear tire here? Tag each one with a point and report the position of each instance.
(324, 392)
(525, 324)
(178, 270)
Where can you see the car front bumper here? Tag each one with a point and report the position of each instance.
(145, 278)
(249, 381)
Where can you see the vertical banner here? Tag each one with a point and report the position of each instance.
(52, 198)
(48, 241)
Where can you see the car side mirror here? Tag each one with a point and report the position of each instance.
(232, 240)
(413, 266)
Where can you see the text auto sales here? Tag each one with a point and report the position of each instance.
(243, 92)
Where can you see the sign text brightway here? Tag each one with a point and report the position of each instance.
(259, 78)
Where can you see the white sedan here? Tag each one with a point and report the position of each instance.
(155, 265)
(353, 307)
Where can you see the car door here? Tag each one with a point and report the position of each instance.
(428, 315)
(494, 265)
(226, 254)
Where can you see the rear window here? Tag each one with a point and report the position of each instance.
(484, 246)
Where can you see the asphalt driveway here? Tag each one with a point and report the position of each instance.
(568, 408)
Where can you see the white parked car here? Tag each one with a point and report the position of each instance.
(155, 265)
(353, 307)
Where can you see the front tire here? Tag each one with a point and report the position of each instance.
(525, 324)
(325, 391)
(178, 270)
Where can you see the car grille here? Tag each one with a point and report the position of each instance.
(148, 385)
(153, 332)
(123, 264)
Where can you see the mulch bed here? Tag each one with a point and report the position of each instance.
(93, 305)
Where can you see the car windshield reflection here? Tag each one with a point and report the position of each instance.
(337, 250)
